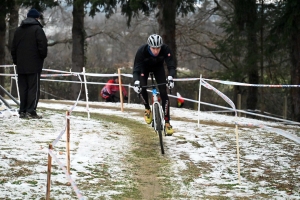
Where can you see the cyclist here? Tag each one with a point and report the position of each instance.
(110, 89)
(150, 57)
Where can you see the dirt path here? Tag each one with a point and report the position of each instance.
(150, 169)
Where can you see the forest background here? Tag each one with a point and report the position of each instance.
(249, 41)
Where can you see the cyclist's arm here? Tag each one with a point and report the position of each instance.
(138, 64)
(169, 59)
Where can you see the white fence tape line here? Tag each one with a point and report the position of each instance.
(55, 75)
(58, 137)
(7, 65)
(95, 83)
(186, 79)
(69, 178)
(276, 130)
(223, 96)
(100, 75)
(248, 84)
(127, 75)
(1, 74)
(55, 70)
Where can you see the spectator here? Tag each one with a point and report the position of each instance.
(111, 88)
(29, 49)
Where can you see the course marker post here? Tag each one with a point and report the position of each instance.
(49, 174)
(199, 100)
(120, 89)
(86, 93)
(16, 79)
(68, 141)
(129, 92)
(238, 153)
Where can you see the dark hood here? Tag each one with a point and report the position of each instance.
(30, 21)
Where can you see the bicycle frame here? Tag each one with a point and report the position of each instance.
(158, 120)
(156, 102)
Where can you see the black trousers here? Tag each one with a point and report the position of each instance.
(160, 77)
(29, 89)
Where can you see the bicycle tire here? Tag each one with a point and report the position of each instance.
(159, 127)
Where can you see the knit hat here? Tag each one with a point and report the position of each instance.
(33, 13)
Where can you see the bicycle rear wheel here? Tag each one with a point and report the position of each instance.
(158, 123)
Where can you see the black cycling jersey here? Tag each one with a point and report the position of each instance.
(145, 61)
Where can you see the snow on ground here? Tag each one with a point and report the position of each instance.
(210, 147)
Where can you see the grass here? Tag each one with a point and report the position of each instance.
(149, 174)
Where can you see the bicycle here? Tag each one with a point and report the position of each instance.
(157, 113)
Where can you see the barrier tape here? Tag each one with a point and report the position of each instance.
(248, 84)
(75, 188)
(7, 65)
(276, 130)
(54, 75)
(1, 74)
(58, 137)
(55, 70)
(175, 79)
(101, 75)
(186, 79)
(223, 96)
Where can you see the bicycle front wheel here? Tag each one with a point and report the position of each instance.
(158, 123)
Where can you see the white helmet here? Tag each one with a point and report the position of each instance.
(155, 41)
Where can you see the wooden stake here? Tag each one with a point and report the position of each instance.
(49, 174)
(239, 103)
(68, 141)
(120, 89)
(238, 152)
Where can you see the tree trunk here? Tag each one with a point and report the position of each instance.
(78, 43)
(13, 25)
(295, 76)
(2, 45)
(167, 29)
(262, 94)
(167, 25)
(252, 54)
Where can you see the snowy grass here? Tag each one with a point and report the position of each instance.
(114, 155)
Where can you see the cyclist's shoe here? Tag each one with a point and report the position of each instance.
(148, 116)
(169, 129)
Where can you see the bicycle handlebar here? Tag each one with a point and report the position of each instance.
(153, 85)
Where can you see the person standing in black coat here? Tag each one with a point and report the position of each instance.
(29, 49)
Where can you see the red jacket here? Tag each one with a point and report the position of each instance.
(110, 89)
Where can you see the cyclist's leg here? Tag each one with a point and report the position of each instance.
(144, 96)
(160, 77)
(144, 93)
